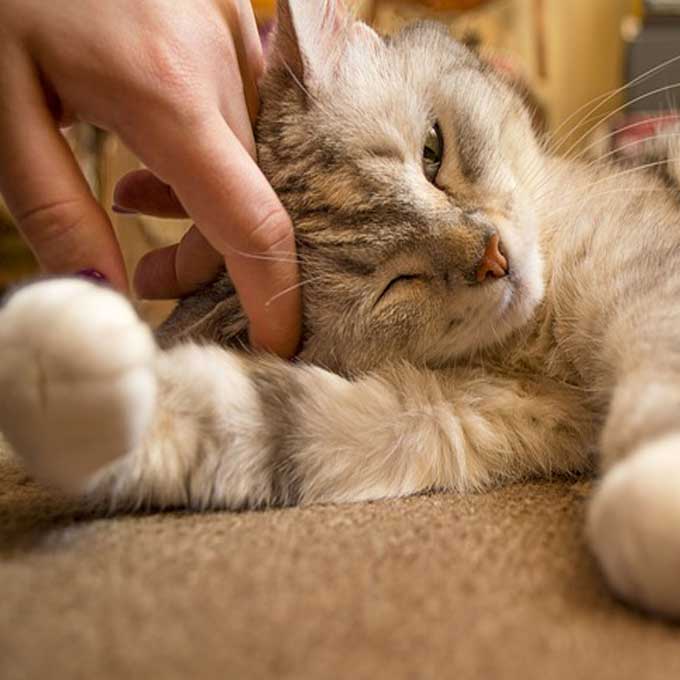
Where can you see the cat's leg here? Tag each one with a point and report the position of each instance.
(200, 426)
(234, 431)
(634, 517)
(77, 382)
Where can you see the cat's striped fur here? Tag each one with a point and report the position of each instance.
(414, 375)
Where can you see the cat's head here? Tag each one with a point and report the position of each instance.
(402, 162)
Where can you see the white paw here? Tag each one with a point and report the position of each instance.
(77, 383)
(634, 527)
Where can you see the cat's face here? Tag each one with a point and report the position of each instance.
(398, 162)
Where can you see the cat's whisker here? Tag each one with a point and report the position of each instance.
(536, 174)
(633, 170)
(593, 162)
(290, 289)
(285, 258)
(610, 95)
(548, 139)
(609, 178)
(301, 86)
(613, 113)
(636, 142)
(567, 206)
(297, 82)
(610, 135)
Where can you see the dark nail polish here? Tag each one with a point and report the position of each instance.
(93, 275)
(123, 211)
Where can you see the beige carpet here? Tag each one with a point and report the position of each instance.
(492, 586)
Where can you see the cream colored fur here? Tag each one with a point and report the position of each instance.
(570, 363)
(398, 432)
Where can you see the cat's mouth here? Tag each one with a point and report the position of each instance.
(505, 298)
(517, 300)
(500, 298)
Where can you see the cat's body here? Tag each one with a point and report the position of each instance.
(432, 359)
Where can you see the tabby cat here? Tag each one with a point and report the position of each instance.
(476, 311)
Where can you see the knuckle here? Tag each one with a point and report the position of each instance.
(273, 232)
(168, 62)
(53, 221)
(169, 72)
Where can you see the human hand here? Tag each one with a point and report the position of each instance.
(177, 81)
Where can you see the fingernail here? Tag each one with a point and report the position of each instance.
(123, 211)
(93, 275)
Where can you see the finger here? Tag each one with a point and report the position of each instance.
(141, 191)
(177, 270)
(251, 39)
(238, 212)
(251, 57)
(241, 21)
(155, 277)
(44, 187)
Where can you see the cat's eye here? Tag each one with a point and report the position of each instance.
(398, 281)
(433, 152)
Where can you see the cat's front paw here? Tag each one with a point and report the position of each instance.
(634, 527)
(77, 379)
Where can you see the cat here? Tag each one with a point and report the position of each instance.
(476, 311)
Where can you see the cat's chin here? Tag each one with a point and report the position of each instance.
(516, 302)
(518, 296)
(516, 308)
(510, 304)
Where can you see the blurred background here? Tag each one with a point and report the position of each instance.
(562, 54)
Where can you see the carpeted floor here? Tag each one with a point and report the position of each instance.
(493, 586)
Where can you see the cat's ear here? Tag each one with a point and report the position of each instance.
(308, 33)
(312, 35)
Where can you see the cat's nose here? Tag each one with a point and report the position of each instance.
(493, 263)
